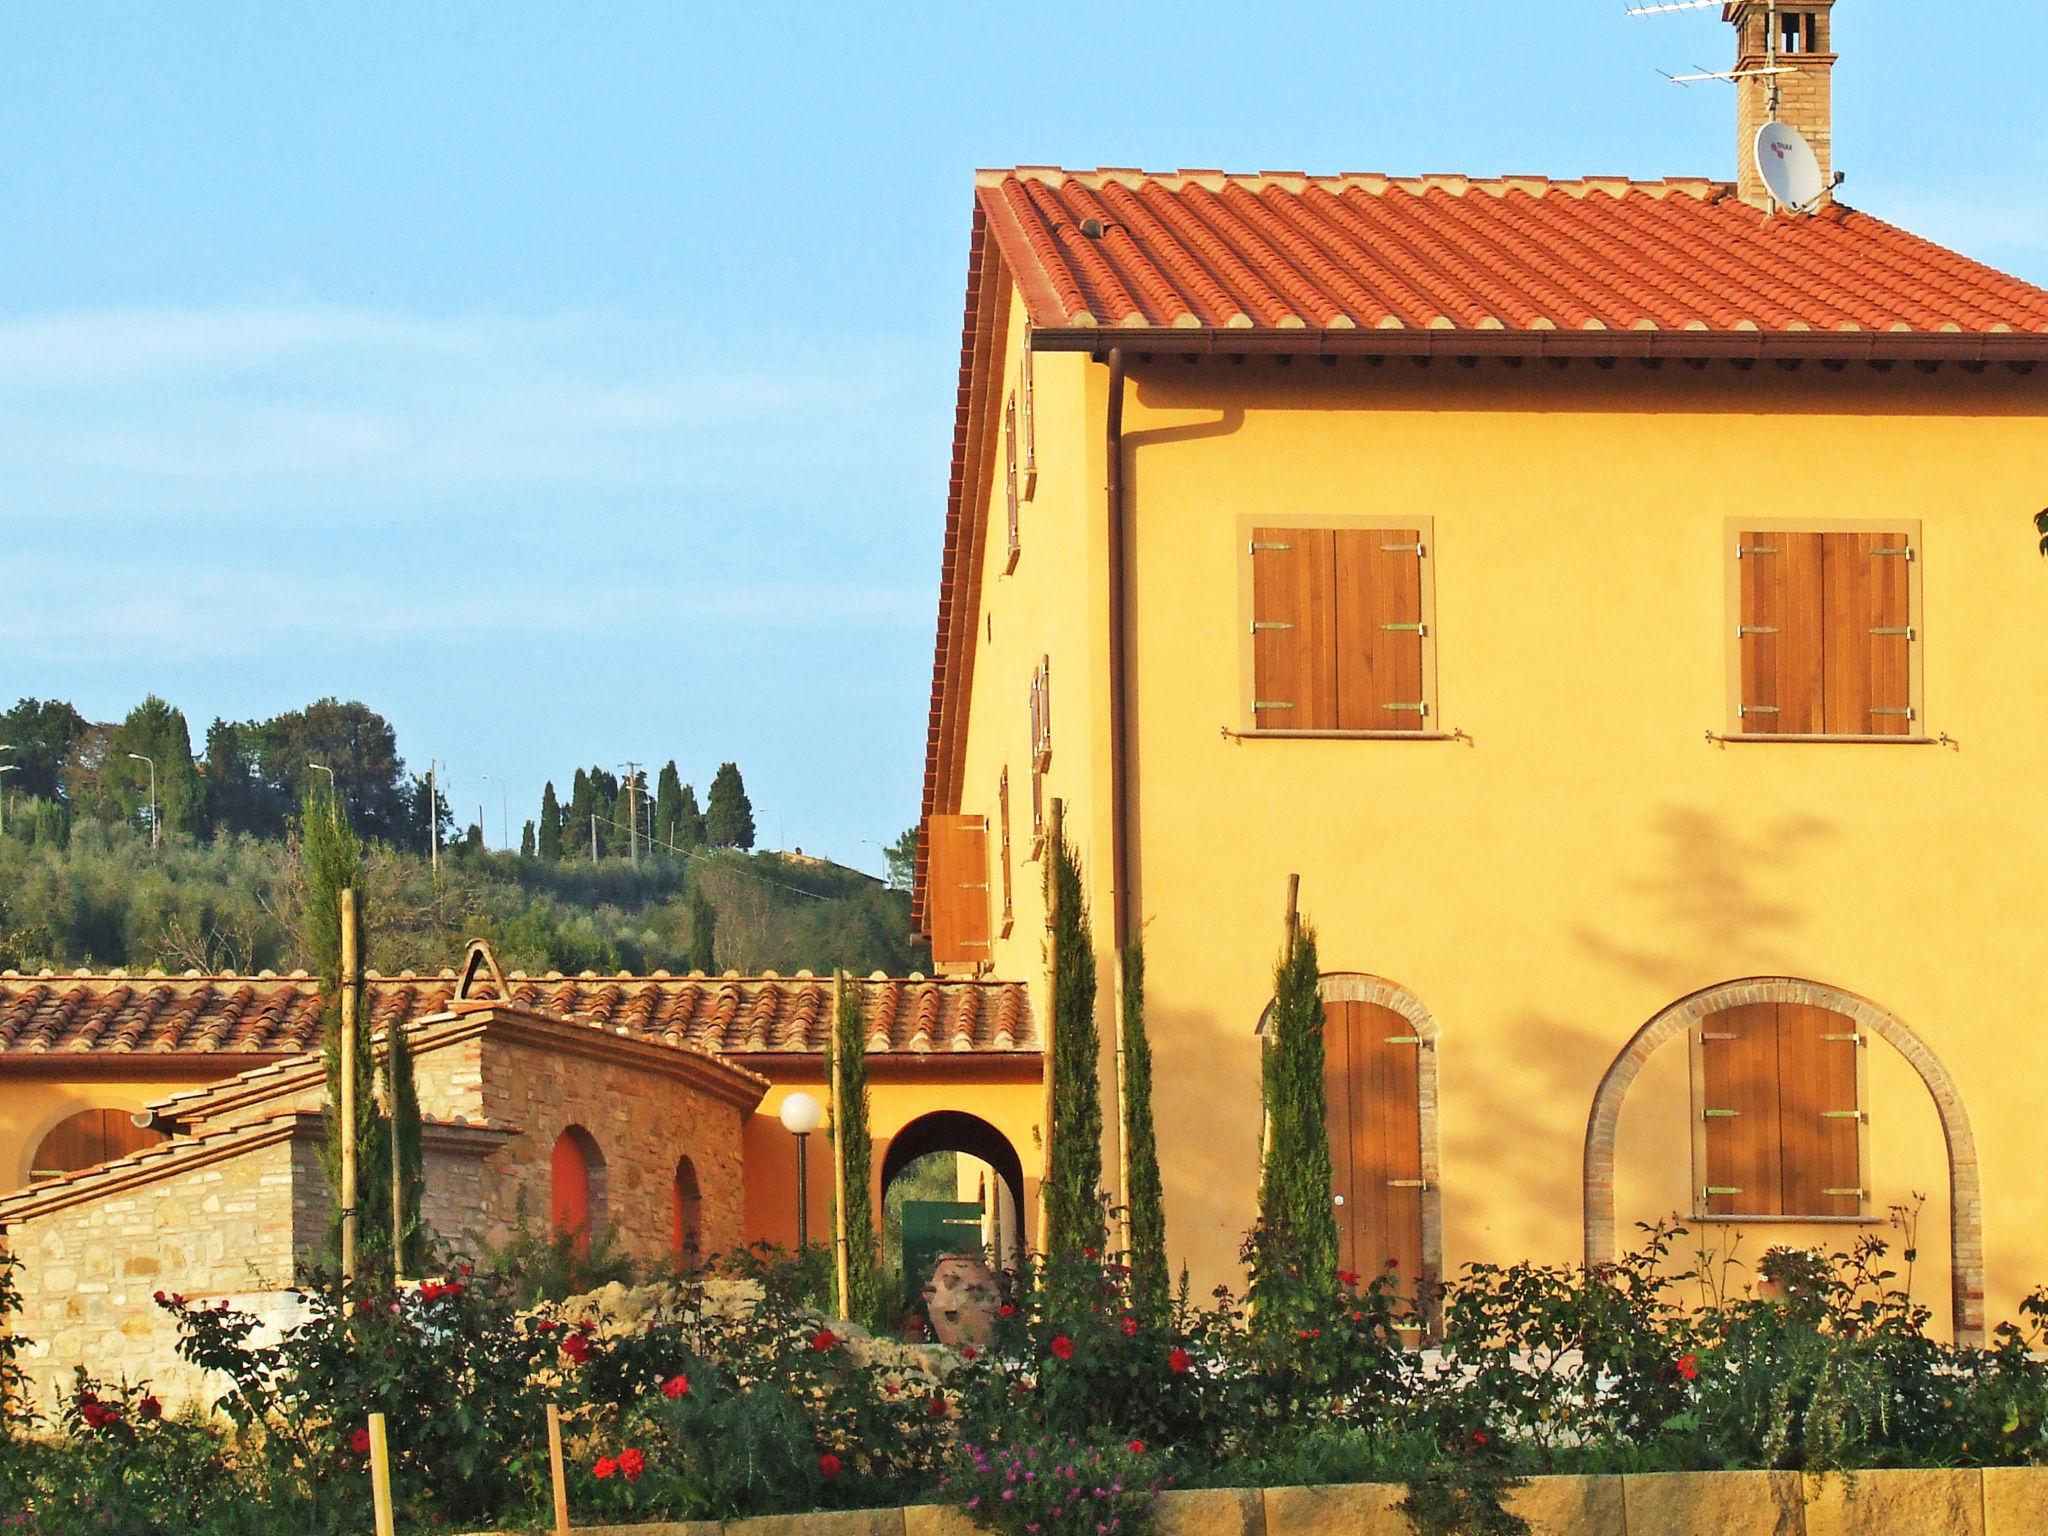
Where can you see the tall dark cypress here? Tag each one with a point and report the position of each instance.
(1073, 1202)
(1150, 1284)
(548, 839)
(850, 1048)
(668, 805)
(689, 820)
(1298, 1224)
(703, 934)
(334, 863)
(729, 819)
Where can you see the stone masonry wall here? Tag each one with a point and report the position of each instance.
(222, 1232)
(643, 1124)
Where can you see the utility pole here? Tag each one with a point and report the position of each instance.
(347, 1002)
(433, 819)
(593, 837)
(632, 811)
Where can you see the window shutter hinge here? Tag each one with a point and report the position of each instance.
(1897, 554)
(1407, 1183)
(1404, 1039)
(1416, 629)
(1259, 624)
(1722, 1189)
(1858, 1193)
(1755, 629)
(1755, 549)
(1419, 707)
(1841, 1114)
(1722, 1114)
(1257, 547)
(1853, 1039)
(1415, 549)
(1906, 630)
(1708, 1034)
(1758, 709)
(1885, 709)
(1259, 704)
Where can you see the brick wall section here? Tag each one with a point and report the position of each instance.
(643, 1123)
(222, 1231)
(1805, 98)
(1966, 1198)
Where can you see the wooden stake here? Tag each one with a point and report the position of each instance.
(1293, 910)
(841, 1251)
(380, 1476)
(555, 1470)
(1055, 844)
(348, 1084)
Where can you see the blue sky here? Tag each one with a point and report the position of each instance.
(573, 383)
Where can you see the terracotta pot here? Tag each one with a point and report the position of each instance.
(960, 1299)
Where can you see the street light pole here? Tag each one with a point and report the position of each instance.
(155, 833)
(801, 1114)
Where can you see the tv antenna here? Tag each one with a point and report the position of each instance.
(1770, 66)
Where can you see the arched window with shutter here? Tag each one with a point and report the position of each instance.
(576, 1185)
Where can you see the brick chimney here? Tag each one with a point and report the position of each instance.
(1803, 42)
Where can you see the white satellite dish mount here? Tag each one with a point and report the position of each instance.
(1789, 167)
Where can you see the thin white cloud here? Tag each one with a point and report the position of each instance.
(145, 609)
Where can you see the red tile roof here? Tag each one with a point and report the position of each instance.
(1280, 251)
(280, 1015)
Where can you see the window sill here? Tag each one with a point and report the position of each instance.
(1855, 741)
(1786, 1221)
(1266, 735)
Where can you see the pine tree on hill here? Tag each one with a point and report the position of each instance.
(668, 803)
(729, 822)
(548, 844)
(576, 828)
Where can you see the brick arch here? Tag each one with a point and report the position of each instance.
(1966, 1203)
(1358, 987)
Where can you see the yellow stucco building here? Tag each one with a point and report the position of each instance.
(1617, 602)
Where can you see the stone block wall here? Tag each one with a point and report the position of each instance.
(224, 1231)
(643, 1122)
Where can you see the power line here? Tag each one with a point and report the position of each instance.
(687, 853)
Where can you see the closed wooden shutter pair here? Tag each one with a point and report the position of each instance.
(1372, 1089)
(1010, 480)
(956, 896)
(88, 1138)
(1337, 629)
(1783, 1126)
(1826, 634)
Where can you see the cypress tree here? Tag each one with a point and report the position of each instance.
(549, 842)
(402, 1104)
(703, 934)
(333, 863)
(1297, 1241)
(526, 848)
(1073, 1201)
(849, 1047)
(576, 830)
(729, 821)
(1150, 1286)
(668, 804)
(689, 820)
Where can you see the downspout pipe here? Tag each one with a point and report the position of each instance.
(1119, 778)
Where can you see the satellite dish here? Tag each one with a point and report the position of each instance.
(1788, 165)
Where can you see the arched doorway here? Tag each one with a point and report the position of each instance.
(687, 1213)
(977, 1202)
(1758, 1025)
(87, 1138)
(576, 1186)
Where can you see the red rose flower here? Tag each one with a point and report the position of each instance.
(1347, 1277)
(968, 1352)
(1130, 1327)
(150, 1408)
(823, 1340)
(604, 1467)
(1688, 1366)
(935, 1409)
(97, 1415)
(1087, 1253)
(577, 1347)
(160, 1298)
(1006, 1310)
(632, 1463)
(1062, 1347)
(1311, 1333)
(1136, 1447)
(359, 1442)
(1178, 1360)
(675, 1386)
(586, 1327)
(829, 1464)
(1479, 1437)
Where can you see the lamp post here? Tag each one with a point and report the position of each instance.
(5, 768)
(801, 1115)
(155, 837)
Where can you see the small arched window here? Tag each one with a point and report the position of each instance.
(89, 1137)
(687, 1210)
(576, 1185)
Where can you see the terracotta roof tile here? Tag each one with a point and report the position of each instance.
(1277, 251)
(268, 1015)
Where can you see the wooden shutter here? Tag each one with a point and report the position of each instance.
(1294, 683)
(1010, 476)
(1379, 634)
(1869, 637)
(1783, 1127)
(1739, 1069)
(957, 889)
(1819, 1121)
(1780, 629)
(1003, 808)
(88, 1138)
(1372, 1090)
